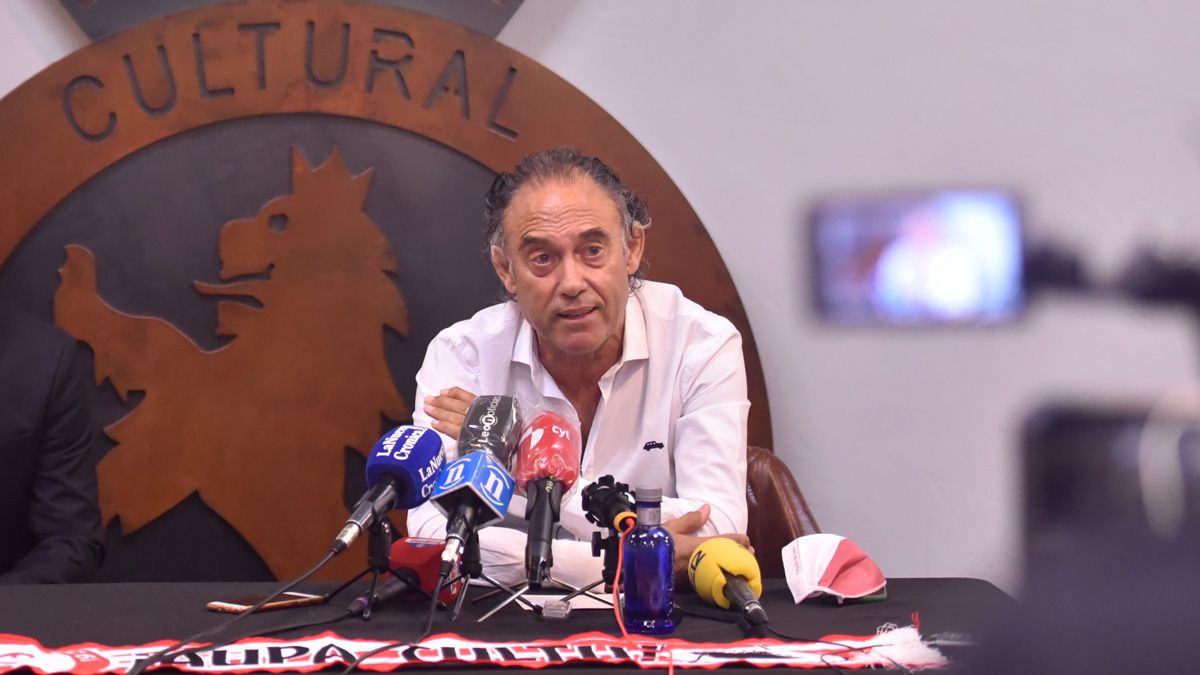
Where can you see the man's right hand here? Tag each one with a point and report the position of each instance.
(448, 410)
(681, 530)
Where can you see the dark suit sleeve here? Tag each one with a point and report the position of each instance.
(63, 514)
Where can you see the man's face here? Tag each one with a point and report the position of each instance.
(566, 261)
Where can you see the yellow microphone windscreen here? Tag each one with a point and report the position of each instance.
(712, 559)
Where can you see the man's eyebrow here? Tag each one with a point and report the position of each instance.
(532, 241)
(594, 233)
(590, 234)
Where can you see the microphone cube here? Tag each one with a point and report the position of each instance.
(476, 478)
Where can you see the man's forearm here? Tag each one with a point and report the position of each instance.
(719, 520)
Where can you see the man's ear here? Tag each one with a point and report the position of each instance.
(503, 268)
(636, 245)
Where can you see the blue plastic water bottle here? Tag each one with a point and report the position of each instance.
(649, 570)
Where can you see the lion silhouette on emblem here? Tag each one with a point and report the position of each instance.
(259, 427)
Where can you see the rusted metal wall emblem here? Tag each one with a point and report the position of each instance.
(303, 377)
(262, 212)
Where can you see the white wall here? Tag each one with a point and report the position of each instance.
(33, 34)
(903, 441)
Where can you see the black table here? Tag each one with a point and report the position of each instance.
(130, 614)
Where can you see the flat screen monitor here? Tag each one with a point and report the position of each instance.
(920, 258)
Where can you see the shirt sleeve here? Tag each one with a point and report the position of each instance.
(64, 517)
(447, 364)
(710, 440)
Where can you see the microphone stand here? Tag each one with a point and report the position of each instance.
(599, 545)
(599, 497)
(523, 588)
(379, 546)
(471, 567)
(379, 551)
(606, 546)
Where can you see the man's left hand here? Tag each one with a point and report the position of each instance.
(681, 530)
(448, 409)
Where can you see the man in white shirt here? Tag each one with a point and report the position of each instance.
(656, 384)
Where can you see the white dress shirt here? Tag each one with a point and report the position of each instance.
(680, 383)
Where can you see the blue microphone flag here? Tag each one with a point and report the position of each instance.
(478, 474)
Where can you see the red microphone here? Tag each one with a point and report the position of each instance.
(547, 466)
(416, 563)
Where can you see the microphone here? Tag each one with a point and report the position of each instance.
(491, 424)
(474, 490)
(389, 590)
(726, 575)
(401, 471)
(547, 465)
(414, 563)
(606, 503)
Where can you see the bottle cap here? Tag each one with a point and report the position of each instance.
(648, 494)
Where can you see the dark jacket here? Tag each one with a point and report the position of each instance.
(49, 519)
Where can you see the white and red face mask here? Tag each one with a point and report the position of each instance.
(830, 564)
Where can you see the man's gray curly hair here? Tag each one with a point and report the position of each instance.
(563, 164)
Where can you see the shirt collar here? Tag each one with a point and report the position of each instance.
(523, 351)
(634, 348)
